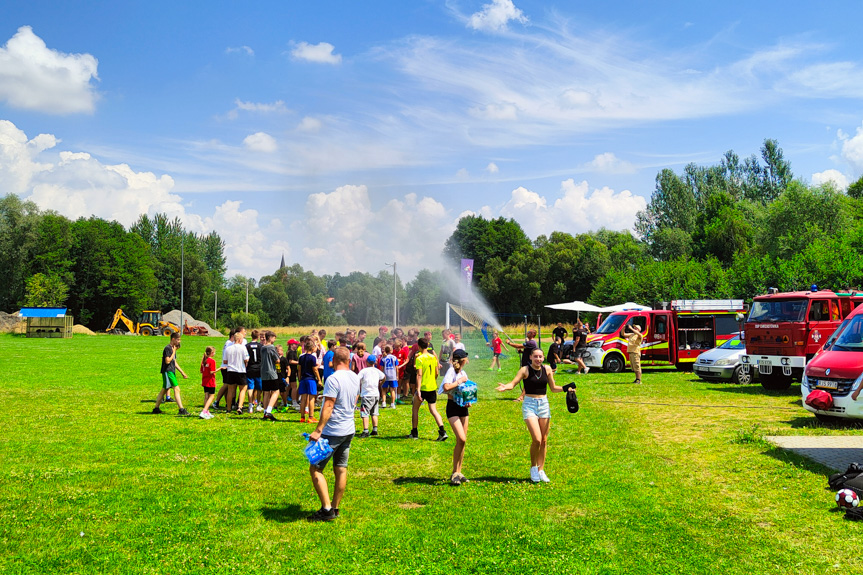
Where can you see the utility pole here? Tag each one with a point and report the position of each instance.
(247, 297)
(216, 310)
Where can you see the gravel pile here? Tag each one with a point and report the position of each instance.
(11, 322)
(173, 316)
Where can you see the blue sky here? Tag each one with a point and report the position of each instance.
(350, 134)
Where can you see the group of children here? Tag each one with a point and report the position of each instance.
(259, 375)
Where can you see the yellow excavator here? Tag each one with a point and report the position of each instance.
(150, 322)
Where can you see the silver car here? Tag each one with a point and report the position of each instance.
(723, 363)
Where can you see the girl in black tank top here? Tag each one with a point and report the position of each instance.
(536, 382)
(535, 410)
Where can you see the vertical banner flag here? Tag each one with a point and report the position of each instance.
(467, 277)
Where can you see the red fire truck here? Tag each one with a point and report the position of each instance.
(677, 335)
(784, 330)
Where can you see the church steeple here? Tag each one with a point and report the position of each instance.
(283, 261)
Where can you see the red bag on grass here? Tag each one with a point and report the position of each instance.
(819, 399)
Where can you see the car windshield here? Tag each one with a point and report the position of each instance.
(849, 336)
(733, 343)
(778, 310)
(611, 324)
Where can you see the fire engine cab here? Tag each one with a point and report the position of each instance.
(785, 330)
(677, 335)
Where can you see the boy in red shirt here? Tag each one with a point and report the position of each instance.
(402, 353)
(208, 380)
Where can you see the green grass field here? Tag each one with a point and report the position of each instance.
(668, 477)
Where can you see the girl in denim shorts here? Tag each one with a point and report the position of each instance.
(535, 410)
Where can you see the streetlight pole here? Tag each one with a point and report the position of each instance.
(395, 295)
(247, 297)
(216, 310)
(182, 276)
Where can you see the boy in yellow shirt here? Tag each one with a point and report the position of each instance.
(427, 370)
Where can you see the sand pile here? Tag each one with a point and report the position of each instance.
(79, 329)
(173, 316)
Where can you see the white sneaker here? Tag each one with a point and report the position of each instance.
(296, 406)
(543, 477)
(251, 409)
(384, 405)
(260, 408)
(586, 370)
(534, 474)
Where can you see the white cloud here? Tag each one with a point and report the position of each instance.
(261, 142)
(35, 77)
(494, 17)
(277, 107)
(321, 53)
(831, 175)
(608, 163)
(577, 210)
(852, 148)
(240, 49)
(462, 174)
(492, 168)
(309, 124)
(77, 185)
(359, 234)
(250, 248)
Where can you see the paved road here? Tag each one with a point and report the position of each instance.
(834, 451)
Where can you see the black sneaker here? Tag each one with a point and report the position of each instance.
(374, 433)
(335, 513)
(157, 411)
(413, 435)
(364, 434)
(239, 412)
(322, 515)
(169, 400)
(215, 406)
(182, 412)
(269, 417)
(442, 437)
(455, 479)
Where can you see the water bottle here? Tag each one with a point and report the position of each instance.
(317, 451)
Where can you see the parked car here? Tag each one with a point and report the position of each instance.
(837, 369)
(723, 363)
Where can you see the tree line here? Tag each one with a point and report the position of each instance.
(727, 230)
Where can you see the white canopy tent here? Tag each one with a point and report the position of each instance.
(624, 307)
(578, 306)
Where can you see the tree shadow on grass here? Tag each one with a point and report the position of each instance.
(287, 514)
(799, 461)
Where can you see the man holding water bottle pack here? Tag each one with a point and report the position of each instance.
(337, 426)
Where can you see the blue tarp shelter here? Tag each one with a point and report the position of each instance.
(47, 321)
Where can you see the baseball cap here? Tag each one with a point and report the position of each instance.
(459, 354)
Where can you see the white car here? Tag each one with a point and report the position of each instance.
(723, 363)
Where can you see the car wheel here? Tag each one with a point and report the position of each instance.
(741, 377)
(613, 363)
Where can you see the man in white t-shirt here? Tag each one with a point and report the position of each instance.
(370, 395)
(337, 426)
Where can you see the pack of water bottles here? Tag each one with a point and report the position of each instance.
(465, 394)
(317, 451)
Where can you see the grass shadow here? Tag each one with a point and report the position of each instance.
(419, 481)
(288, 514)
(811, 422)
(498, 479)
(797, 460)
(756, 389)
